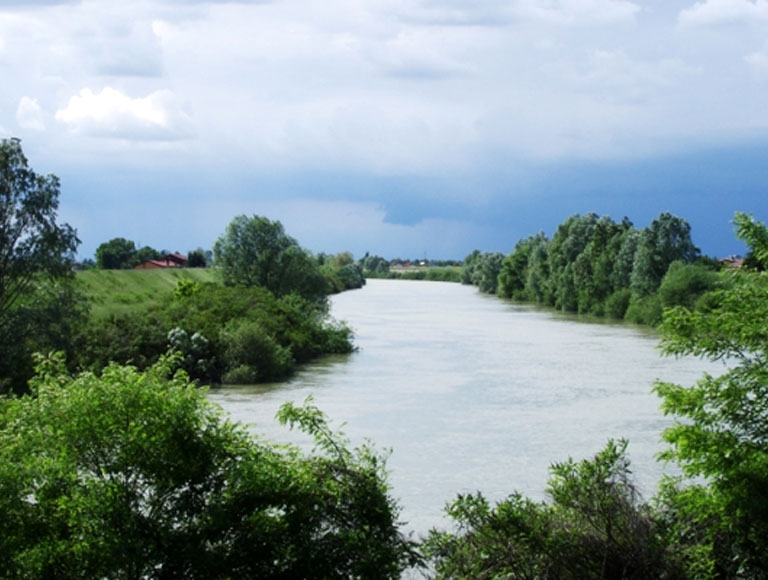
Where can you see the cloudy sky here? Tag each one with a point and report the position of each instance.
(401, 127)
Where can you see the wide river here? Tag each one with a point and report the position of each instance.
(474, 393)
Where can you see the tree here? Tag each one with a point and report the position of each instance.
(257, 252)
(720, 437)
(116, 254)
(143, 254)
(34, 250)
(197, 258)
(666, 240)
(136, 475)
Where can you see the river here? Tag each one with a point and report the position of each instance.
(474, 393)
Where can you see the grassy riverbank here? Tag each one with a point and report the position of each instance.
(119, 291)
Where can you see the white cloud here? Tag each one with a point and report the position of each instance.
(111, 113)
(29, 114)
(715, 12)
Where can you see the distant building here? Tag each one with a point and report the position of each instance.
(732, 262)
(175, 260)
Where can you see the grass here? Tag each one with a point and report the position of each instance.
(117, 291)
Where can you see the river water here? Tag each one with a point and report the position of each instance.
(474, 393)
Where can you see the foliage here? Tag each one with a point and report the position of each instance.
(36, 258)
(594, 527)
(249, 348)
(257, 252)
(229, 320)
(482, 270)
(684, 284)
(135, 475)
(342, 273)
(512, 276)
(374, 265)
(721, 433)
(116, 254)
(198, 258)
(593, 265)
(666, 240)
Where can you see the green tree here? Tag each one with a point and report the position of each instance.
(116, 254)
(36, 258)
(257, 252)
(375, 265)
(144, 254)
(197, 259)
(570, 240)
(134, 475)
(720, 437)
(514, 268)
(666, 240)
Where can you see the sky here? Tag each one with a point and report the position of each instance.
(404, 128)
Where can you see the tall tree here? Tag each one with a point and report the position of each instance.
(33, 246)
(666, 240)
(720, 437)
(116, 254)
(256, 251)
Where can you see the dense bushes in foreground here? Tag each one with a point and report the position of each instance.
(136, 475)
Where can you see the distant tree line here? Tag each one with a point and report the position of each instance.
(122, 254)
(594, 265)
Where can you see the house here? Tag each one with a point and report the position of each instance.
(174, 260)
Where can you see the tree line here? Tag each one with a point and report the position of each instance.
(594, 265)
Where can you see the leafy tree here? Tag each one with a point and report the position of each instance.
(570, 240)
(36, 258)
(144, 254)
(666, 240)
(720, 437)
(257, 252)
(116, 254)
(375, 265)
(514, 268)
(197, 258)
(134, 475)
(470, 265)
(593, 268)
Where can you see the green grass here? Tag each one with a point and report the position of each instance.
(116, 291)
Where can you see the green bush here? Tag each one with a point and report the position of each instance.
(135, 475)
(246, 343)
(646, 310)
(684, 284)
(617, 303)
(595, 526)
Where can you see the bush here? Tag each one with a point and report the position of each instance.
(684, 284)
(145, 478)
(594, 527)
(246, 344)
(645, 310)
(617, 303)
